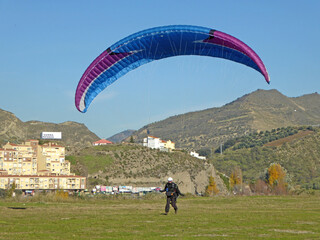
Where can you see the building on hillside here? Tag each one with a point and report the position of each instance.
(102, 142)
(152, 142)
(31, 160)
(170, 145)
(157, 143)
(195, 154)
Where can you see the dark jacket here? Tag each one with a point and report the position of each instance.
(171, 189)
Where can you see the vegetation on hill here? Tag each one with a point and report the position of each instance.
(300, 156)
(264, 137)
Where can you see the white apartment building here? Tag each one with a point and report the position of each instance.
(157, 143)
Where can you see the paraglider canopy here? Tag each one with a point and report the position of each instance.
(158, 43)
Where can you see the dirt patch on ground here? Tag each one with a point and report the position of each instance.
(292, 231)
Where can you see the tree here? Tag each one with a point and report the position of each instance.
(275, 174)
(236, 179)
(276, 178)
(11, 189)
(131, 139)
(212, 187)
(206, 152)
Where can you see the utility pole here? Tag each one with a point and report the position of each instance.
(220, 148)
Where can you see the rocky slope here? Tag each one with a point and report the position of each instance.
(132, 164)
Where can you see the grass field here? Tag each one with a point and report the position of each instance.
(257, 217)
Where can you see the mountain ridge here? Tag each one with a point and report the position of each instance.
(119, 137)
(74, 134)
(208, 128)
(256, 111)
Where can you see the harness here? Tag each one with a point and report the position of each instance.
(171, 189)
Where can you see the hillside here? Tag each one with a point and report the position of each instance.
(132, 164)
(295, 148)
(259, 110)
(275, 137)
(298, 153)
(119, 137)
(14, 130)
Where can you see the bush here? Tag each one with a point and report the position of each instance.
(225, 180)
(206, 152)
(212, 187)
(3, 193)
(260, 187)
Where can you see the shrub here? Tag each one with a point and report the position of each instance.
(3, 193)
(61, 195)
(212, 187)
(225, 180)
(260, 187)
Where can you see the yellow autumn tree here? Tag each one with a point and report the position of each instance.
(236, 177)
(276, 178)
(212, 187)
(275, 174)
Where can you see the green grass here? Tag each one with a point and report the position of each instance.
(95, 162)
(92, 162)
(273, 217)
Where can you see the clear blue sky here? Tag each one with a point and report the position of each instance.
(45, 46)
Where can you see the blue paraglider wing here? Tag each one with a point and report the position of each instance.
(158, 43)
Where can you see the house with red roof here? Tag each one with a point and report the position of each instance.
(102, 142)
